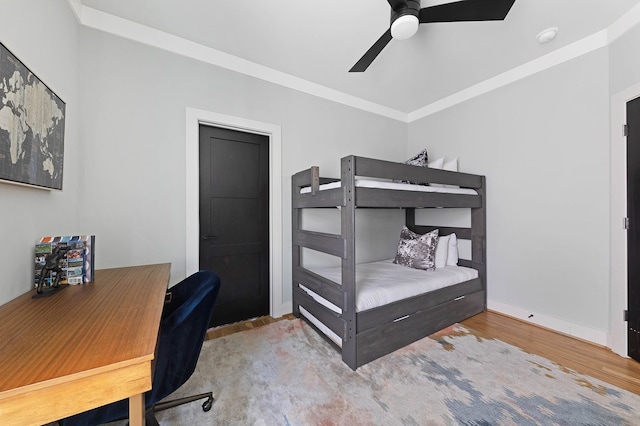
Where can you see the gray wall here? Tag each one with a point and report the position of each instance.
(133, 101)
(624, 64)
(543, 144)
(26, 214)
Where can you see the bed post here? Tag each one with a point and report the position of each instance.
(295, 253)
(348, 219)
(479, 237)
(410, 218)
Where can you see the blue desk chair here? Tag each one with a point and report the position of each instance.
(185, 320)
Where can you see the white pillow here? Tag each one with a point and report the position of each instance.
(442, 251)
(451, 165)
(452, 255)
(436, 164)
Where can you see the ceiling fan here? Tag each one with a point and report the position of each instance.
(406, 15)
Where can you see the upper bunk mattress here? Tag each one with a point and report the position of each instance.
(380, 283)
(370, 183)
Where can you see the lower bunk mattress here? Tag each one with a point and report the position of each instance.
(384, 282)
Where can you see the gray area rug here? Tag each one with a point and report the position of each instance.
(286, 374)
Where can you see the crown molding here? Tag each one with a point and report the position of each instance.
(76, 7)
(108, 23)
(105, 22)
(550, 60)
(567, 53)
(623, 24)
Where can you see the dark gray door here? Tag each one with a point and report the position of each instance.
(234, 220)
(633, 233)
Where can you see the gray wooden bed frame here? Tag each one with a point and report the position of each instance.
(370, 334)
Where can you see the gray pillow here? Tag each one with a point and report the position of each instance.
(417, 251)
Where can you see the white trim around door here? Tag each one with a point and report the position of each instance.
(195, 117)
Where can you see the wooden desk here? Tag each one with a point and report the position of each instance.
(81, 348)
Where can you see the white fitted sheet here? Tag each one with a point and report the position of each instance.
(370, 183)
(383, 282)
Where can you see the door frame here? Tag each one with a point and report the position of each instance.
(617, 337)
(195, 117)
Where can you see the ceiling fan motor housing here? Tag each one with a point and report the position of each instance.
(404, 19)
(411, 7)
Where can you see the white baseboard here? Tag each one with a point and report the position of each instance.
(282, 309)
(598, 337)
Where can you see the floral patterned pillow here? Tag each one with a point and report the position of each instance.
(417, 251)
(421, 159)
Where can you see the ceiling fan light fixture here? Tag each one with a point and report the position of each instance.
(404, 27)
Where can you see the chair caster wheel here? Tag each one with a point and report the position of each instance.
(206, 406)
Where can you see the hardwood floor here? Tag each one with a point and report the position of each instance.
(226, 330)
(583, 357)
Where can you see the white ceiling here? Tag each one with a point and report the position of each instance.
(319, 40)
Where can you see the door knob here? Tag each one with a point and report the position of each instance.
(208, 237)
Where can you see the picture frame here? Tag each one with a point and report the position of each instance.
(32, 124)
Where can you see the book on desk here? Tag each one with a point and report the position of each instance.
(77, 262)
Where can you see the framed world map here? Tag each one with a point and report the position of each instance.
(31, 127)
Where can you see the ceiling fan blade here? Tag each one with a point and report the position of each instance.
(372, 53)
(467, 10)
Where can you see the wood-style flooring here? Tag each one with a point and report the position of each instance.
(581, 356)
(226, 330)
(584, 357)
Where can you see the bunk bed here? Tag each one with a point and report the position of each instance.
(330, 305)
